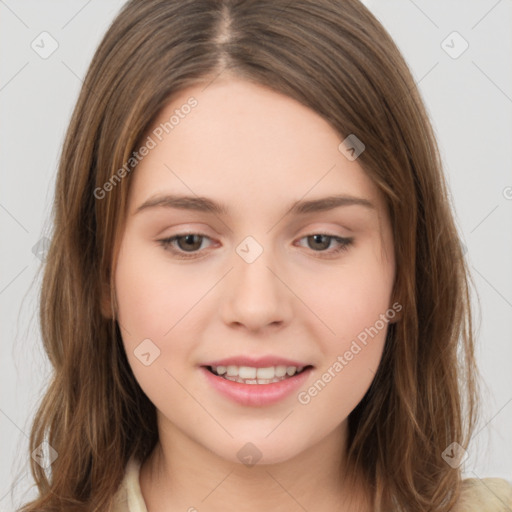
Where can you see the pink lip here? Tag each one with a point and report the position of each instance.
(260, 362)
(256, 394)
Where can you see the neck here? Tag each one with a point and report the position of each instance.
(181, 474)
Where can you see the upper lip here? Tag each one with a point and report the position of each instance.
(259, 362)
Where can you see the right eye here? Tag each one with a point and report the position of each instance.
(187, 244)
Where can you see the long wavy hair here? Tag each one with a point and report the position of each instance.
(334, 57)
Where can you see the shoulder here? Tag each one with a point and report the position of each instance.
(121, 499)
(485, 495)
(128, 497)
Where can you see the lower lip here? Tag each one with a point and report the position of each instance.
(256, 394)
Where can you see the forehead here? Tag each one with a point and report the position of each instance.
(248, 145)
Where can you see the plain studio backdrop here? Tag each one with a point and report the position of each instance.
(460, 53)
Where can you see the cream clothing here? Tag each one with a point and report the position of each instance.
(478, 495)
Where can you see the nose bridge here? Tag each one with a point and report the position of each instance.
(256, 297)
(252, 270)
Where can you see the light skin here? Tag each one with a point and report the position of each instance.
(256, 152)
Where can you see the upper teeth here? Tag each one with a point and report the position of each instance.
(249, 372)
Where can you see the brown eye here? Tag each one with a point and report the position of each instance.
(189, 242)
(185, 245)
(321, 243)
(318, 243)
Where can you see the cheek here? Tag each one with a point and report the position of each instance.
(351, 297)
(354, 305)
(154, 296)
(155, 304)
(351, 357)
(161, 309)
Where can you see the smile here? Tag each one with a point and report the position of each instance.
(256, 387)
(252, 375)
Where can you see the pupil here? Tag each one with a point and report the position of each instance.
(317, 239)
(190, 242)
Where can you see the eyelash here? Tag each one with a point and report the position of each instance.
(345, 243)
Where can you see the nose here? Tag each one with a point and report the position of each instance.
(255, 295)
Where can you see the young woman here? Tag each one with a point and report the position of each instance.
(255, 294)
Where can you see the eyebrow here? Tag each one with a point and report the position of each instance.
(203, 204)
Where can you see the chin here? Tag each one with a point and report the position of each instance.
(250, 450)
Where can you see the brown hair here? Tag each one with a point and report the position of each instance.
(334, 57)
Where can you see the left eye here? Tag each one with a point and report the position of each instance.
(188, 244)
(324, 241)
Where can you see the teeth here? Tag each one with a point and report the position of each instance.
(290, 370)
(231, 370)
(263, 373)
(246, 372)
(280, 371)
(251, 375)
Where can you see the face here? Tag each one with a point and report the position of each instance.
(262, 273)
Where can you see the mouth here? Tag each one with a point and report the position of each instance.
(256, 386)
(252, 375)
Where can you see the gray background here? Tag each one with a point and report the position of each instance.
(469, 99)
